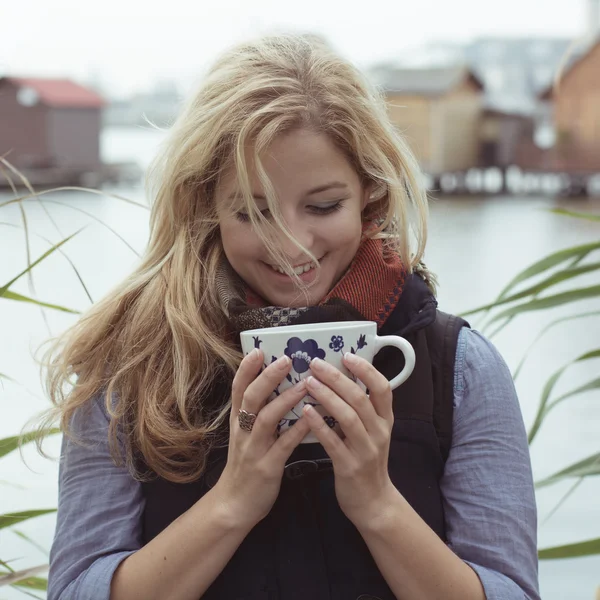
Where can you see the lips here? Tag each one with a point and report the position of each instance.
(306, 264)
(306, 276)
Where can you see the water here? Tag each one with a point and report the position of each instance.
(476, 246)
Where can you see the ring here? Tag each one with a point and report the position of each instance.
(246, 420)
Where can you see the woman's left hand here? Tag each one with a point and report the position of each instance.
(360, 461)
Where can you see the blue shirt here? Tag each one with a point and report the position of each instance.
(487, 488)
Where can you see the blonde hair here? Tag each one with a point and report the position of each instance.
(154, 345)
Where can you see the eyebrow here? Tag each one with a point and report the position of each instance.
(317, 190)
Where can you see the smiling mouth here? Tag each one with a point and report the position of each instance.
(299, 270)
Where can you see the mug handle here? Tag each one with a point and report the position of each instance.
(409, 356)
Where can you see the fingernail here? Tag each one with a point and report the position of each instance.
(283, 362)
(313, 383)
(254, 354)
(300, 386)
(351, 358)
(316, 363)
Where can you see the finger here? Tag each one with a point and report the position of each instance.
(259, 391)
(380, 392)
(281, 450)
(353, 427)
(330, 440)
(349, 391)
(268, 417)
(245, 375)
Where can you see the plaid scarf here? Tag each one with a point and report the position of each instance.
(369, 290)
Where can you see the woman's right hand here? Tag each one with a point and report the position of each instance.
(251, 479)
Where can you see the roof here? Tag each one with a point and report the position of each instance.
(59, 93)
(434, 81)
(577, 54)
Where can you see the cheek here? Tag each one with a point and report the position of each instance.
(238, 241)
(348, 230)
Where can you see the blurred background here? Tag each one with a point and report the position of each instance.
(499, 101)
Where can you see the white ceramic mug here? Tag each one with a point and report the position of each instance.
(329, 342)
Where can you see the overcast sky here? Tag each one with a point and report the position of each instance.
(130, 43)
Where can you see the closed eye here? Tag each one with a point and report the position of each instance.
(313, 208)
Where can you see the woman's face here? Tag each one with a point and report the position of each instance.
(321, 201)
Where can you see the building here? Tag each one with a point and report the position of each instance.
(49, 124)
(575, 107)
(438, 110)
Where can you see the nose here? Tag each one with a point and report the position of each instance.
(303, 233)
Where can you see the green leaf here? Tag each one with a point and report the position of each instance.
(550, 302)
(584, 468)
(54, 248)
(577, 252)
(594, 384)
(67, 188)
(33, 583)
(577, 215)
(554, 279)
(16, 576)
(545, 398)
(20, 298)
(30, 541)
(545, 330)
(587, 548)
(10, 444)
(10, 519)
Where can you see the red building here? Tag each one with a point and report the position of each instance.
(49, 123)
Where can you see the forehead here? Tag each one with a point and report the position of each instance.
(295, 163)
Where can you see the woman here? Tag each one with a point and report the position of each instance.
(284, 195)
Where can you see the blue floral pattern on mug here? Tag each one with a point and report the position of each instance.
(337, 343)
(302, 353)
(360, 344)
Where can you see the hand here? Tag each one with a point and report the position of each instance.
(360, 461)
(251, 479)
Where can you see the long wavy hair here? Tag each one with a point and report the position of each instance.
(152, 348)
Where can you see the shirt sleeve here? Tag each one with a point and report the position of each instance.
(487, 486)
(99, 515)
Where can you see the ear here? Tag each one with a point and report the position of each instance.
(371, 193)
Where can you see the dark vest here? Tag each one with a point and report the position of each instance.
(306, 548)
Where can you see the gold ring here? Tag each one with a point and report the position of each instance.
(246, 419)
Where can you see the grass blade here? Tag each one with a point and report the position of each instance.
(545, 398)
(10, 444)
(577, 215)
(549, 302)
(594, 384)
(31, 541)
(95, 218)
(20, 298)
(545, 330)
(548, 262)
(587, 548)
(5, 287)
(584, 468)
(69, 188)
(33, 583)
(16, 576)
(554, 279)
(10, 519)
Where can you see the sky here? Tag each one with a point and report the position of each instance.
(126, 45)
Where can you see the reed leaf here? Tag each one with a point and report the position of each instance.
(587, 548)
(10, 519)
(20, 298)
(10, 444)
(584, 468)
(549, 386)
